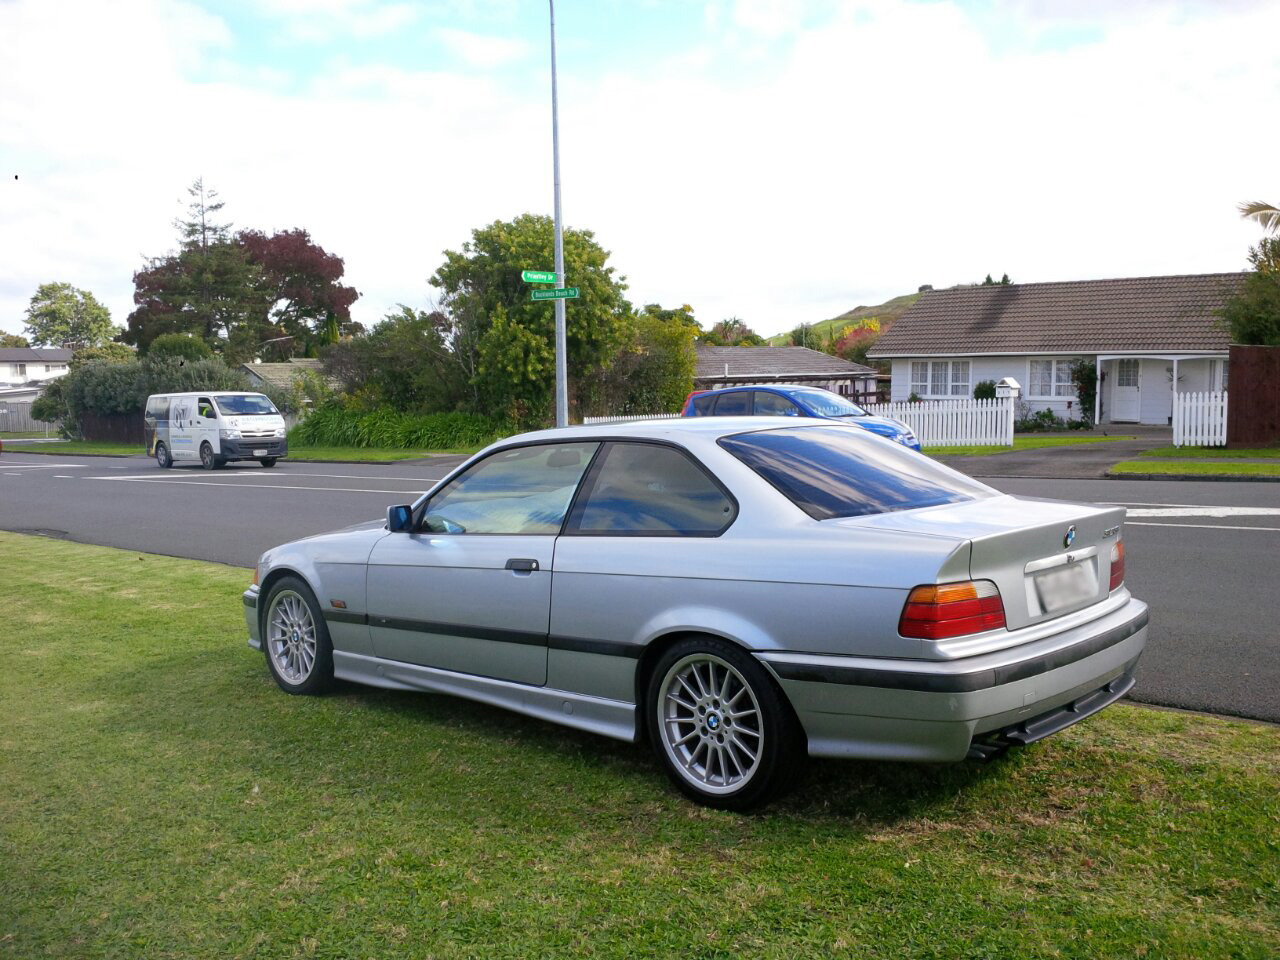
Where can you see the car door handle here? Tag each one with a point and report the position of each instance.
(522, 566)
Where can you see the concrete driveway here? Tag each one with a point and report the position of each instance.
(1075, 461)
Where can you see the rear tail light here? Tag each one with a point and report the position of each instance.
(939, 611)
(1117, 564)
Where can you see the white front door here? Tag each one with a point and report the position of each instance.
(1124, 392)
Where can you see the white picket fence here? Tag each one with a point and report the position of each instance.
(1200, 419)
(939, 423)
(587, 421)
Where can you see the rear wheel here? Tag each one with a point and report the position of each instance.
(268, 462)
(296, 639)
(162, 456)
(720, 726)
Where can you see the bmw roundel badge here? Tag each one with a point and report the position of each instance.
(1070, 538)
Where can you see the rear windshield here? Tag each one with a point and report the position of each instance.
(245, 405)
(841, 471)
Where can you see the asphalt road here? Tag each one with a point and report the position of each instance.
(1206, 556)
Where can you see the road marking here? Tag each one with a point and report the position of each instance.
(63, 476)
(1197, 526)
(46, 466)
(263, 486)
(1122, 503)
(1220, 512)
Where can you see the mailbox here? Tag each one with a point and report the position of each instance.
(1008, 387)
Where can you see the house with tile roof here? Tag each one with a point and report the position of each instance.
(25, 365)
(756, 366)
(281, 375)
(1148, 338)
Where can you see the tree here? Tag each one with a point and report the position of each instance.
(61, 315)
(106, 353)
(199, 229)
(1004, 281)
(1253, 313)
(481, 289)
(654, 371)
(1264, 213)
(854, 343)
(300, 279)
(179, 346)
(732, 332)
(13, 340)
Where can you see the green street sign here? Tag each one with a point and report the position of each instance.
(564, 293)
(538, 276)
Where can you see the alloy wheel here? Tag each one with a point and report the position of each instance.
(710, 723)
(291, 637)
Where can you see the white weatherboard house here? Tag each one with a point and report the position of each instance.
(24, 365)
(1146, 336)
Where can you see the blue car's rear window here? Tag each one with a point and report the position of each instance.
(840, 471)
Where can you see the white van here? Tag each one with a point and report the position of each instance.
(213, 427)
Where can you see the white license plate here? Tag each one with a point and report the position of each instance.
(259, 453)
(1065, 586)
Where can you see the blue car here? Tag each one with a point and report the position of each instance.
(786, 400)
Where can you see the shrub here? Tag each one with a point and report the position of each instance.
(1084, 374)
(1040, 421)
(335, 426)
(914, 398)
(985, 390)
(181, 346)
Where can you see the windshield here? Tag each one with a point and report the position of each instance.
(245, 405)
(840, 471)
(828, 404)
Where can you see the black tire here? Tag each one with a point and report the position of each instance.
(779, 738)
(268, 462)
(207, 458)
(162, 456)
(318, 678)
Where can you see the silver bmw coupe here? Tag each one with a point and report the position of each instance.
(742, 592)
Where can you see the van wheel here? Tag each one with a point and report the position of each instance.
(268, 462)
(162, 456)
(720, 726)
(207, 459)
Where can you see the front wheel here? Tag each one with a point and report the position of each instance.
(268, 462)
(720, 726)
(296, 639)
(162, 456)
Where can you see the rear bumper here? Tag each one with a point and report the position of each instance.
(247, 449)
(930, 710)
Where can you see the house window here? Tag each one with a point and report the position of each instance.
(19, 369)
(940, 378)
(1127, 373)
(1051, 378)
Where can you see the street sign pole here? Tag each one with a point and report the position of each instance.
(562, 387)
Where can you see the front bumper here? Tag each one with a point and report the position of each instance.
(251, 617)
(275, 448)
(878, 708)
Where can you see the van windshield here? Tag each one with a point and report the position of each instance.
(245, 405)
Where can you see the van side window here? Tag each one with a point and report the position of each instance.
(205, 409)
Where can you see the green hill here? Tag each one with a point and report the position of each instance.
(886, 313)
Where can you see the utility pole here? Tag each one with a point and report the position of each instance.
(562, 377)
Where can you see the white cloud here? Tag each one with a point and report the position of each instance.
(480, 50)
(890, 145)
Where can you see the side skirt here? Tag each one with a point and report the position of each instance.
(609, 718)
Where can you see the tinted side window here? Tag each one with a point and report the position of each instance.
(840, 472)
(525, 490)
(734, 404)
(702, 405)
(158, 408)
(642, 489)
(774, 405)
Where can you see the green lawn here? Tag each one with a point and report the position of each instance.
(380, 454)
(163, 799)
(1020, 443)
(20, 435)
(1217, 452)
(1199, 468)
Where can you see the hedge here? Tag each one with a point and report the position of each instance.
(335, 426)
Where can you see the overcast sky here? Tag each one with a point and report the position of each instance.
(776, 161)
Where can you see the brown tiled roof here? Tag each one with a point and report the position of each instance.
(1085, 316)
(281, 374)
(770, 362)
(34, 355)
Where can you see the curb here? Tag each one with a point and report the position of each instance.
(1210, 477)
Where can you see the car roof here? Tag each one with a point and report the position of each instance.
(758, 386)
(676, 428)
(212, 393)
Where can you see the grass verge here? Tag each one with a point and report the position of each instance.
(1214, 452)
(1198, 468)
(1019, 443)
(63, 448)
(163, 799)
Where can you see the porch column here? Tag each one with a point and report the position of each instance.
(1097, 389)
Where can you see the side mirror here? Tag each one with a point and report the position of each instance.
(399, 518)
